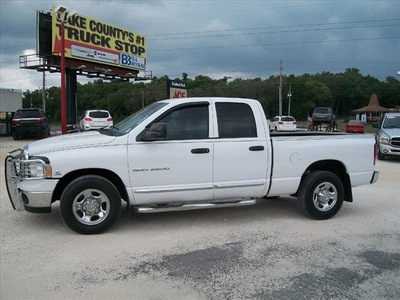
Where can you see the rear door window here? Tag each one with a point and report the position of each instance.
(235, 120)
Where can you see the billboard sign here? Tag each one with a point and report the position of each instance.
(92, 40)
(176, 89)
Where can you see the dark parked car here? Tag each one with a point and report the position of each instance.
(323, 115)
(302, 128)
(30, 122)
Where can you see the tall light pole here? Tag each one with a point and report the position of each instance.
(60, 10)
(290, 97)
(280, 87)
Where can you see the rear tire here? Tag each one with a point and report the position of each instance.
(15, 136)
(321, 195)
(90, 204)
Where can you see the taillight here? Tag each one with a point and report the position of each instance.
(88, 119)
(39, 121)
(294, 122)
(15, 121)
(280, 123)
(109, 119)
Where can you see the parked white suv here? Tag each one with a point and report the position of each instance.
(283, 123)
(95, 119)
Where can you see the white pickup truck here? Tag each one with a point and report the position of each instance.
(181, 154)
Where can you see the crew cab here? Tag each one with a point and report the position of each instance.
(187, 153)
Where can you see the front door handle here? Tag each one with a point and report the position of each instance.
(200, 150)
(256, 148)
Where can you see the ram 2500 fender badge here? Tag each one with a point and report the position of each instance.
(151, 170)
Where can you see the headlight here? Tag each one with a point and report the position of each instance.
(34, 169)
(25, 152)
(384, 139)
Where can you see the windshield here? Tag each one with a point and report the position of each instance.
(134, 120)
(392, 122)
(321, 110)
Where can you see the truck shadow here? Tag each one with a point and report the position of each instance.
(266, 210)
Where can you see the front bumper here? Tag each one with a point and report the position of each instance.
(29, 130)
(389, 150)
(33, 195)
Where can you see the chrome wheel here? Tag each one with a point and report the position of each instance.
(325, 196)
(91, 206)
(321, 194)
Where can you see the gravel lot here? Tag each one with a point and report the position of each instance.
(265, 251)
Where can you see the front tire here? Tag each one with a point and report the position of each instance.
(380, 155)
(321, 195)
(90, 204)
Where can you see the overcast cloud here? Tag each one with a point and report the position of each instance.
(244, 39)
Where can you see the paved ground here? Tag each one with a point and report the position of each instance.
(266, 251)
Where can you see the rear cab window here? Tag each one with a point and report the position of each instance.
(235, 120)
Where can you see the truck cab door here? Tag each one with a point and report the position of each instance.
(240, 153)
(172, 159)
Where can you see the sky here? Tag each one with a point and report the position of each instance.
(218, 38)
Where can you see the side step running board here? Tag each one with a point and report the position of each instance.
(144, 210)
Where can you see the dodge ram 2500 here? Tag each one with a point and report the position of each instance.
(181, 154)
(388, 135)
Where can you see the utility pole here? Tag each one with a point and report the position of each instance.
(290, 97)
(280, 86)
(44, 92)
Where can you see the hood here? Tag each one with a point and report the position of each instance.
(69, 141)
(391, 132)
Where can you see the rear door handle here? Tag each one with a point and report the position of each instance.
(256, 148)
(200, 150)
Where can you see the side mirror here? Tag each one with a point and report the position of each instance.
(156, 132)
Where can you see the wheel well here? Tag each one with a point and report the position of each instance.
(114, 178)
(338, 169)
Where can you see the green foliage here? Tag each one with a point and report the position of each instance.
(343, 92)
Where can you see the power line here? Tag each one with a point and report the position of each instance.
(279, 44)
(276, 32)
(277, 26)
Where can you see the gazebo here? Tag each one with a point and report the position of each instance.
(372, 112)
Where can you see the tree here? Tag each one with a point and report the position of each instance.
(343, 92)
